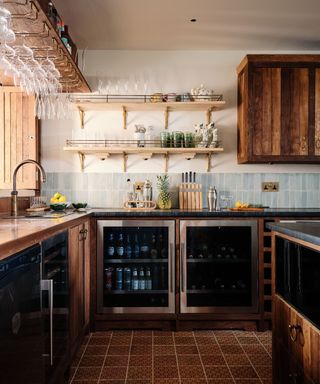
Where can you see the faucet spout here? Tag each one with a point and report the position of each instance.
(14, 192)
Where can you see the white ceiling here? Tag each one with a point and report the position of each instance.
(165, 25)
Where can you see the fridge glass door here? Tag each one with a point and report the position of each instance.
(135, 266)
(219, 266)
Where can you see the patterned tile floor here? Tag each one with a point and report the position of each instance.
(155, 357)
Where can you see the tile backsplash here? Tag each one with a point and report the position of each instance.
(107, 190)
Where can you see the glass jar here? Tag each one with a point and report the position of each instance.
(166, 139)
(178, 139)
(189, 140)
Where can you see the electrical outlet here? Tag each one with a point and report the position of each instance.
(270, 186)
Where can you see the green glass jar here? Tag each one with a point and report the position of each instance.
(189, 140)
(166, 139)
(178, 139)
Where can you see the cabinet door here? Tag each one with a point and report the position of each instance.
(317, 113)
(18, 137)
(280, 113)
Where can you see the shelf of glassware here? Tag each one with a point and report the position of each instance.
(30, 21)
(145, 153)
(131, 103)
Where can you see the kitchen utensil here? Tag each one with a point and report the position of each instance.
(212, 199)
(190, 196)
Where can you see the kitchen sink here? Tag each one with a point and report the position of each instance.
(37, 215)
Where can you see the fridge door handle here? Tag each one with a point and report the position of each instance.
(182, 266)
(172, 260)
(47, 285)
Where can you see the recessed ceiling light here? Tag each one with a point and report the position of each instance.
(193, 20)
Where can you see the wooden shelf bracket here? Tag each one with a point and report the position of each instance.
(166, 118)
(146, 156)
(124, 116)
(209, 115)
(209, 156)
(125, 161)
(82, 115)
(189, 156)
(82, 158)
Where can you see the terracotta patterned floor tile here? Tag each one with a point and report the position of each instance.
(122, 333)
(222, 340)
(223, 333)
(139, 381)
(112, 381)
(101, 334)
(96, 350)
(253, 349)
(244, 333)
(139, 372)
(183, 334)
(164, 350)
(99, 341)
(166, 381)
(217, 372)
(163, 340)
(113, 373)
(248, 340)
(141, 350)
(203, 333)
(220, 381)
(243, 371)
(264, 371)
(214, 359)
(120, 340)
(141, 360)
(137, 340)
(189, 360)
(231, 349)
(268, 348)
(118, 350)
(205, 340)
(142, 333)
(116, 361)
(162, 333)
(265, 340)
(91, 361)
(209, 349)
(186, 349)
(260, 359)
(248, 381)
(76, 361)
(85, 381)
(191, 372)
(193, 381)
(181, 340)
(267, 381)
(236, 359)
(166, 372)
(87, 373)
(165, 360)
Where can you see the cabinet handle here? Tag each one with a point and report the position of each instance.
(172, 259)
(293, 332)
(83, 232)
(182, 267)
(47, 285)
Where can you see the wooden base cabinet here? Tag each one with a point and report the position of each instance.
(296, 343)
(79, 278)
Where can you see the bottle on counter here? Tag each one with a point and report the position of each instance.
(120, 247)
(110, 247)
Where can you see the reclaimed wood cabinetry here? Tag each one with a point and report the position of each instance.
(18, 138)
(279, 109)
(296, 346)
(79, 278)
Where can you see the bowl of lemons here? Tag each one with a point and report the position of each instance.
(58, 202)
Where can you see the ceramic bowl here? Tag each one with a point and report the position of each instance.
(79, 205)
(58, 206)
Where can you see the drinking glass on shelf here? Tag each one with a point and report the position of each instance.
(226, 199)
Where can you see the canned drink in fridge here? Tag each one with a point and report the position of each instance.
(119, 278)
(127, 278)
(108, 278)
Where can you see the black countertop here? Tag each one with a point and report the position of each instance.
(268, 212)
(306, 231)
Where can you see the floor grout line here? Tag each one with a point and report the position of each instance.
(176, 354)
(128, 362)
(205, 373)
(152, 362)
(105, 357)
(246, 354)
(77, 366)
(224, 357)
(264, 348)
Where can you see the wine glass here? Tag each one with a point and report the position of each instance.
(226, 198)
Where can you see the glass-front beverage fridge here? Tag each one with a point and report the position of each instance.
(219, 266)
(135, 266)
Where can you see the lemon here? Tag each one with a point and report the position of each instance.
(238, 204)
(52, 200)
(57, 195)
(62, 199)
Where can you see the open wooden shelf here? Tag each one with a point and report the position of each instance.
(29, 20)
(145, 153)
(142, 103)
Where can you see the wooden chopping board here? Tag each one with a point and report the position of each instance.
(246, 209)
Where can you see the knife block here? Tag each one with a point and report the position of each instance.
(190, 196)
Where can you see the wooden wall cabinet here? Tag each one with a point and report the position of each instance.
(279, 109)
(18, 138)
(79, 278)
